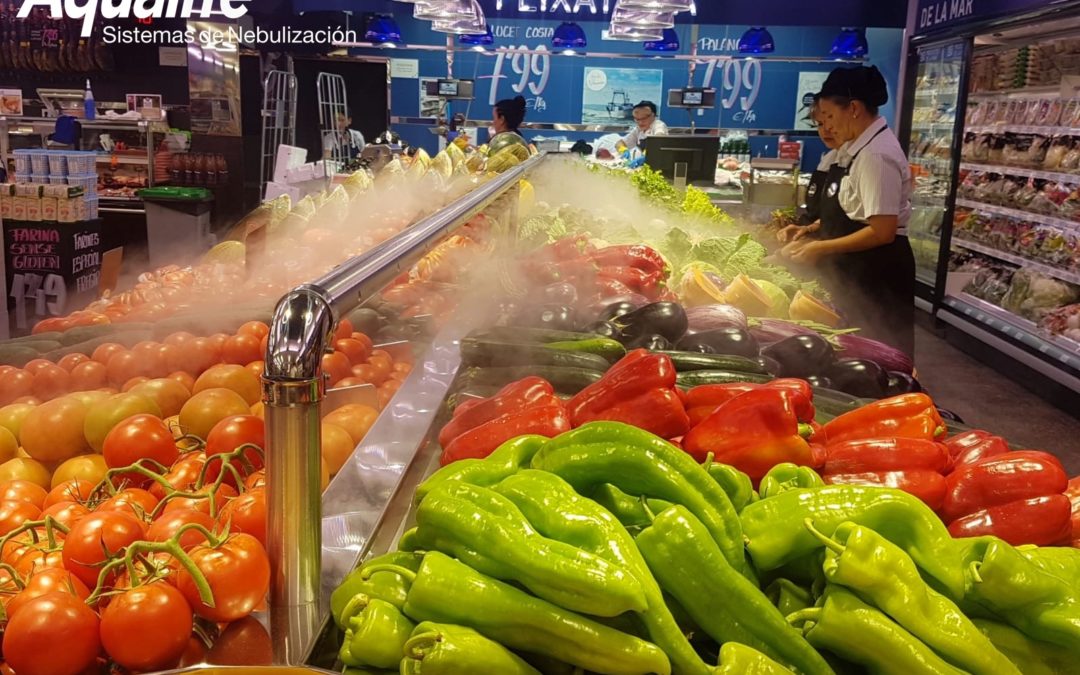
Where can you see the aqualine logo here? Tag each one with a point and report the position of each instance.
(139, 9)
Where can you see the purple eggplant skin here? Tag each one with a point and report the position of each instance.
(607, 329)
(801, 355)
(595, 309)
(902, 383)
(771, 366)
(650, 341)
(886, 356)
(555, 317)
(770, 331)
(712, 317)
(859, 377)
(819, 382)
(950, 416)
(659, 318)
(616, 310)
(727, 341)
(561, 293)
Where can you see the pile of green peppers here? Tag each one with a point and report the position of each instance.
(608, 550)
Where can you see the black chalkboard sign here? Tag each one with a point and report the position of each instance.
(51, 269)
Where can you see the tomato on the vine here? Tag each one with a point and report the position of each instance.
(136, 438)
(246, 513)
(182, 475)
(238, 572)
(23, 491)
(146, 627)
(242, 643)
(88, 540)
(208, 499)
(30, 639)
(228, 435)
(133, 501)
(65, 513)
(74, 490)
(37, 559)
(49, 580)
(15, 513)
(256, 480)
(170, 522)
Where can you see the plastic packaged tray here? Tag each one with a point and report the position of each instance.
(39, 163)
(22, 162)
(86, 181)
(58, 164)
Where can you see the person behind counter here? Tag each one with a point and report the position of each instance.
(344, 143)
(646, 124)
(861, 243)
(507, 118)
(809, 222)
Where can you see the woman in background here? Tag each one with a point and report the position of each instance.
(861, 242)
(507, 117)
(809, 221)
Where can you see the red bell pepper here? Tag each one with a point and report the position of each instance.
(637, 280)
(610, 288)
(636, 255)
(753, 432)
(1042, 521)
(633, 375)
(567, 248)
(712, 396)
(885, 454)
(996, 481)
(481, 441)
(658, 411)
(971, 446)
(904, 416)
(926, 484)
(524, 393)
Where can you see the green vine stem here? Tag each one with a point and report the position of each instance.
(141, 548)
(106, 488)
(51, 525)
(226, 460)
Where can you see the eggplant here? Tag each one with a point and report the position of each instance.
(606, 329)
(820, 382)
(771, 366)
(950, 416)
(902, 383)
(616, 310)
(561, 293)
(801, 355)
(859, 377)
(650, 341)
(730, 341)
(660, 318)
(685, 345)
(555, 317)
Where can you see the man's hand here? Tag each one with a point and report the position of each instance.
(797, 232)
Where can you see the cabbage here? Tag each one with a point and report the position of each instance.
(780, 299)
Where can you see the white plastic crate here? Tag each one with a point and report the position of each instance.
(39, 163)
(22, 162)
(58, 164)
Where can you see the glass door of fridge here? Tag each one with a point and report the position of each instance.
(934, 152)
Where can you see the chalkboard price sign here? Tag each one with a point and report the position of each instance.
(51, 269)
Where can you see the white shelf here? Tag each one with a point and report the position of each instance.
(1056, 348)
(1022, 129)
(933, 126)
(122, 159)
(1018, 171)
(1018, 214)
(1049, 270)
(1051, 90)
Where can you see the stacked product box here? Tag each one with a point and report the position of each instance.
(61, 169)
(35, 202)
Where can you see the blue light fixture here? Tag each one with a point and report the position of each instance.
(383, 30)
(851, 42)
(757, 40)
(569, 37)
(479, 40)
(668, 43)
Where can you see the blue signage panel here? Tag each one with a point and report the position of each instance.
(936, 15)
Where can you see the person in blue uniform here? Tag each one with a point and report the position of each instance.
(861, 245)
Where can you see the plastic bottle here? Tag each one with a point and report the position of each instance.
(88, 102)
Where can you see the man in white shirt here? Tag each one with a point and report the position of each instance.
(344, 143)
(646, 124)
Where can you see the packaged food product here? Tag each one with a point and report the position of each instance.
(1050, 115)
(1058, 147)
(1069, 112)
(1071, 160)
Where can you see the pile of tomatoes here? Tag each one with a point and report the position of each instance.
(122, 570)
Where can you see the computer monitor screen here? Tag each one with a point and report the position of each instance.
(692, 97)
(448, 88)
(699, 153)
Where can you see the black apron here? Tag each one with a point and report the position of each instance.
(813, 197)
(875, 289)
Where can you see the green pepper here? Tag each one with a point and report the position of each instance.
(386, 586)
(737, 659)
(788, 597)
(736, 484)
(788, 476)
(1042, 605)
(502, 462)
(729, 608)
(1030, 656)
(628, 510)
(369, 671)
(375, 636)
(489, 533)
(776, 535)
(444, 649)
(1061, 561)
(612, 350)
(853, 630)
(877, 570)
(553, 507)
(640, 463)
(448, 591)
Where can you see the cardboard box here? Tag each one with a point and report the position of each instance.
(288, 157)
(67, 210)
(28, 189)
(33, 210)
(48, 208)
(19, 206)
(7, 205)
(61, 191)
(82, 209)
(274, 190)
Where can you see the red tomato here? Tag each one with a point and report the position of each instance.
(88, 376)
(65, 513)
(179, 339)
(23, 491)
(37, 560)
(256, 328)
(183, 378)
(343, 330)
(92, 535)
(139, 437)
(212, 503)
(256, 480)
(15, 513)
(102, 353)
(182, 475)
(361, 337)
(134, 382)
(256, 368)
(147, 627)
(34, 366)
(238, 572)
(15, 385)
(51, 580)
(242, 643)
(336, 365)
(74, 490)
(241, 349)
(30, 639)
(228, 435)
(246, 513)
(170, 522)
(123, 366)
(355, 350)
(134, 501)
(51, 381)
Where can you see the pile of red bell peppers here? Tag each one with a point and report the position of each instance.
(607, 272)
